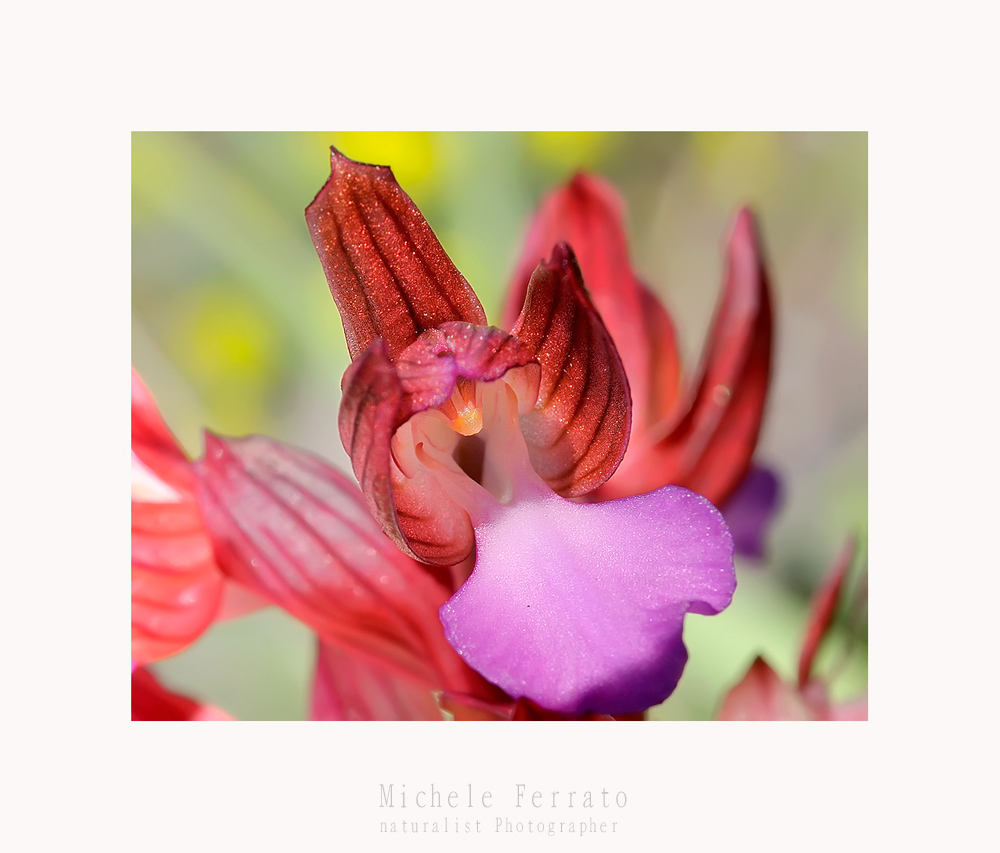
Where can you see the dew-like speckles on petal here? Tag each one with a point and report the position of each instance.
(580, 607)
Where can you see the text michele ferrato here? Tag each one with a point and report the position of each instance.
(520, 810)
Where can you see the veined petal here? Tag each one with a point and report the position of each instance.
(708, 448)
(580, 607)
(152, 701)
(345, 688)
(406, 499)
(588, 214)
(578, 431)
(297, 531)
(176, 583)
(388, 273)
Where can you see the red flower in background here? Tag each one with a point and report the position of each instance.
(699, 434)
(152, 701)
(176, 584)
(762, 695)
(178, 589)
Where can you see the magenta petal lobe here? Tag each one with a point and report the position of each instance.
(580, 607)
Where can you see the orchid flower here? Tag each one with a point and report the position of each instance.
(493, 564)
(763, 695)
(469, 443)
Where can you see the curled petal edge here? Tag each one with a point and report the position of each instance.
(578, 431)
(377, 428)
(588, 214)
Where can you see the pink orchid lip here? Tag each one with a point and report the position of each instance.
(579, 607)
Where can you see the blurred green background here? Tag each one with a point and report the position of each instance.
(233, 329)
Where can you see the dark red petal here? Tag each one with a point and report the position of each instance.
(295, 530)
(345, 688)
(578, 431)
(370, 412)
(588, 214)
(413, 510)
(387, 272)
(708, 448)
(152, 701)
(824, 607)
(430, 366)
(176, 584)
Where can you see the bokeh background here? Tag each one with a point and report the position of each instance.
(233, 329)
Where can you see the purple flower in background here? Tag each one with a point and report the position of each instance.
(749, 509)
